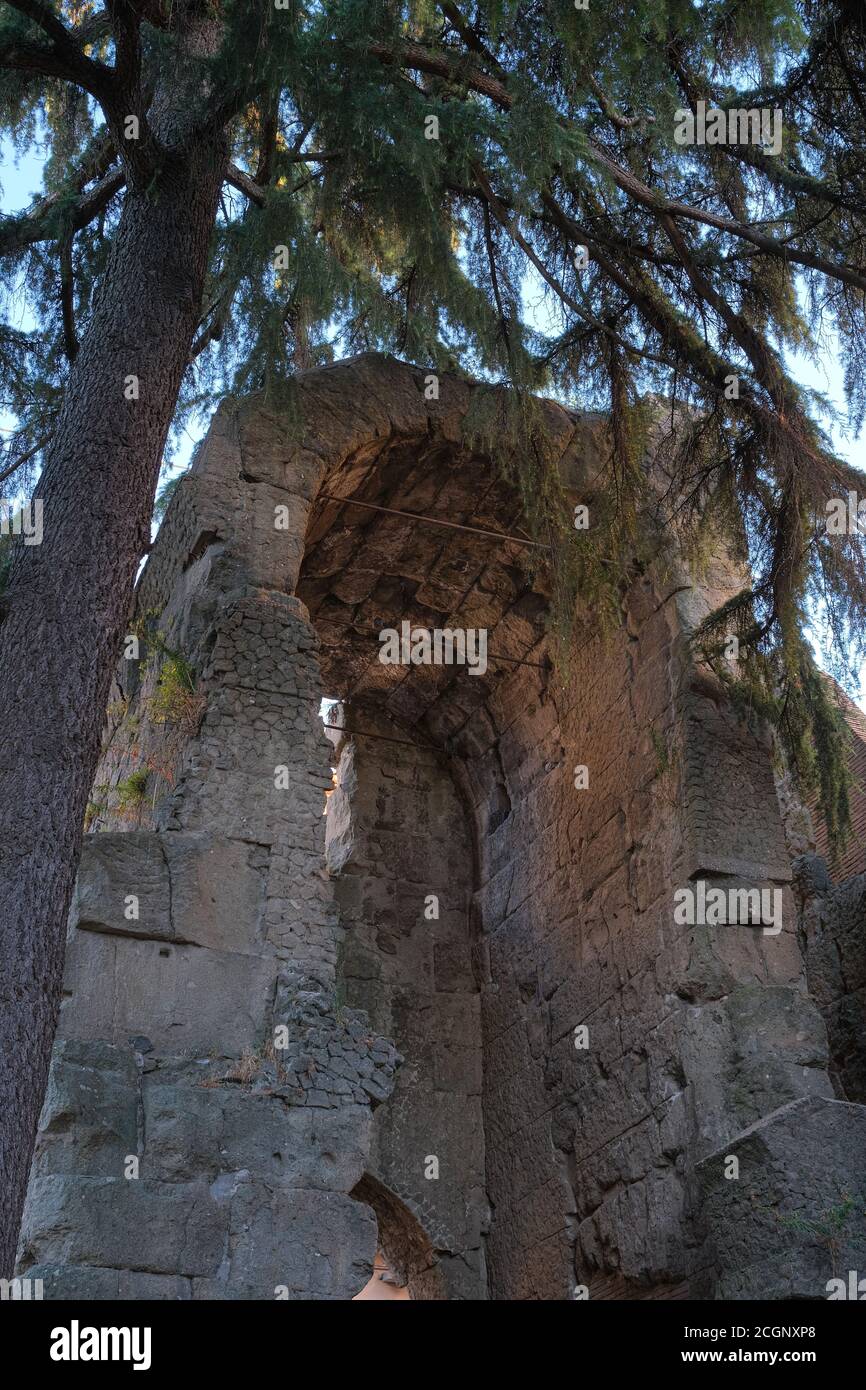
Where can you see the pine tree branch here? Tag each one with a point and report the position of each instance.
(268, 143)
(125, 24)
(52, 214)
(494, 280)
(117, 90)
(793, 180)
(246, 185)
(764, 361)
(211, 334)
(774, 170)
(50, 23)
(656, 310)
(500, 212)
(609, 109)
(470, 36)
(25, 458)
(412, 55)
(67, 299)
(256, 192)
(61, 57)
(712, 368)
(631, 184)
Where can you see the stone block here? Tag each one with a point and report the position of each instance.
(113, 867)
(793, 1218)
(161, 1228)
(197, 1130)
(89, 1120)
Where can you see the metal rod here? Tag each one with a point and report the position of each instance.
(491, 656)
(518, 661)
(434, 521)
(361, 733)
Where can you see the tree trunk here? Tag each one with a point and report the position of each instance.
(67, 609)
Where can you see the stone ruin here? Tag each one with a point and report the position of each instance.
(453, 1021)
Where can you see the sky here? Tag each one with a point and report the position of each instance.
(20, 181)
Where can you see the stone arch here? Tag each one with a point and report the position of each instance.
(560, 1163)
(403, 1240)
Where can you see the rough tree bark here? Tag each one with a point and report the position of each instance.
(66, 610)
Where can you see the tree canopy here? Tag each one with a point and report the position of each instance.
(398, 174)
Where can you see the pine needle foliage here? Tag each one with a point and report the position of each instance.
(431, 171)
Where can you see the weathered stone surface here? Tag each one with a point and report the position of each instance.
(183, 998)
(205, 1132)
(833, 937)
(115, 868)
(139, 1224)
(290, 1244)
(90, 1116)
(792, 1219)
(456, 1016)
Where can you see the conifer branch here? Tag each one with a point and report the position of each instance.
(509, 224)
(61, 57)
(412, 55)
(44, 222)
(268, 143)
(24, 458)
(256, 192)
(631, 184)
(125, 24)
(609, 109)
(246, 185)
(67, 299)
(470, 36)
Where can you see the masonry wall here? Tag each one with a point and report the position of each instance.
(583, 1142)
(263, 1040)
(601, 1150)
(400, 855)
(209, 1106)
(832, 927)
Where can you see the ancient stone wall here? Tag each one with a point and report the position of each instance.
(832, 928)
(692, 1033)
(400, 853)
(265, 1040)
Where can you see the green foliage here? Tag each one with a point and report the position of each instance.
(130, 793)
(556, 130)
(164, 496)
(174, 700)
(787, 689)
(831, 1227)
(94, 812)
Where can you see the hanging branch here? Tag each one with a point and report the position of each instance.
(67, 298)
